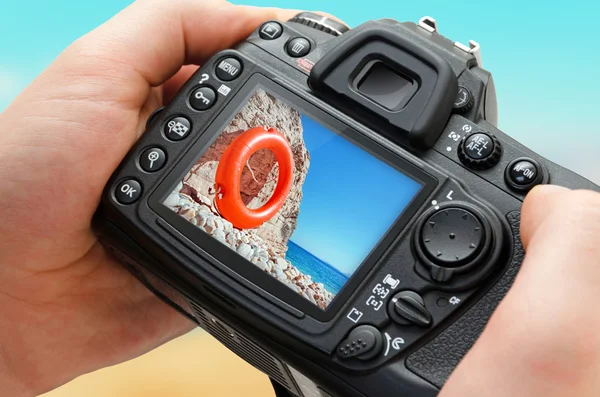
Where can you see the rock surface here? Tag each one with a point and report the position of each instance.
(260, 178)
(249, 245)
(265, 246)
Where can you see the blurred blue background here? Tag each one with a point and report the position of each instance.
(544, 56)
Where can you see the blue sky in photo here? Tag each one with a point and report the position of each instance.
(350, 199)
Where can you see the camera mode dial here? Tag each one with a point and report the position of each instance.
(319, 22)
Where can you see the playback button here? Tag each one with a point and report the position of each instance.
(128, 191)
(270, 31)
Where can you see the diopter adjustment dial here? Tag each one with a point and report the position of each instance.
(319, 22)
(464, 101)
(479, 150)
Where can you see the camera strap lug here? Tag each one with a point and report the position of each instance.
(473, 48)
(429, 24)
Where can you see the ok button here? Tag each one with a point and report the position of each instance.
(127, 192)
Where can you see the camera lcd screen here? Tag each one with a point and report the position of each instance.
(310, 221)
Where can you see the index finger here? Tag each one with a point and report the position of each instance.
(147, 43)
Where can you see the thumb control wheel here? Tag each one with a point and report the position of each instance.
(456, 239)
(320, 22)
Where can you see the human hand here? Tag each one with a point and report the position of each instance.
(544, 339)
(66, 308)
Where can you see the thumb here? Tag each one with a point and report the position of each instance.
(538, 206)
(543, 339)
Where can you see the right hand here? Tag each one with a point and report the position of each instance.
(544, 338)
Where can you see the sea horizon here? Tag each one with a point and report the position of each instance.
(319, 270)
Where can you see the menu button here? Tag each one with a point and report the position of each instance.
(228, 69)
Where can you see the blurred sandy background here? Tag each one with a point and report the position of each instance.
(193, 365)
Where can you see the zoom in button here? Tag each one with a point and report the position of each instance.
(152, 159)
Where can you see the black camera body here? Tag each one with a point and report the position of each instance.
(335, 206)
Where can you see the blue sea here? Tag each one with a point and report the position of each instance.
(320, 271)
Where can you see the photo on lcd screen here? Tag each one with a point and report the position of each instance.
(307, 208)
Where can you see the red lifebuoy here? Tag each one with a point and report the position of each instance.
(229, 172)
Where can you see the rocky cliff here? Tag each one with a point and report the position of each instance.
(266, 245)
(260, 176)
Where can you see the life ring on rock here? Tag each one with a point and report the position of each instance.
(229, 172)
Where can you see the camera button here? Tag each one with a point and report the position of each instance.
(177, 128)
(364, 343)
(152, 159)
(452, 237)
(270, 31)
(479, 151)
(523, 174)
(478, 146)
(128, 191)
(298, 47)
(203, 98)
(228, 69)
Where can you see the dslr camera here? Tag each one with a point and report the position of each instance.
(336, 206)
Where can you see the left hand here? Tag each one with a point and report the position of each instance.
(66, 308)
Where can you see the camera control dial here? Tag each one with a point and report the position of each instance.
(453, 240)
(320, 22)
